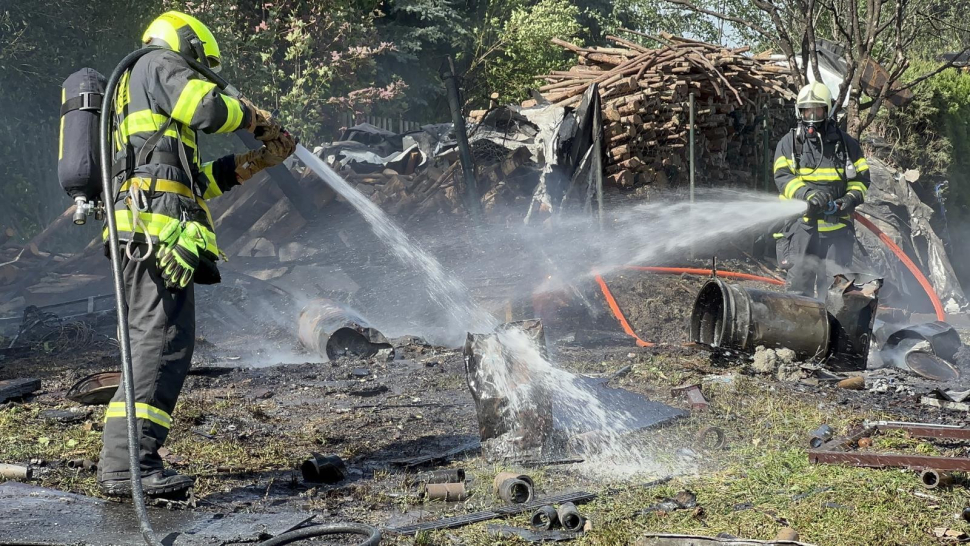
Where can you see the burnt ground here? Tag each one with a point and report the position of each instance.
(244, 432)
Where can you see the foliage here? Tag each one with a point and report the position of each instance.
(526, 51)
(655, 16)
(931, 133)
(304, 59)
(423, 32)
(41, 43)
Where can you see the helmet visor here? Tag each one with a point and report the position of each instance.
(812, 112)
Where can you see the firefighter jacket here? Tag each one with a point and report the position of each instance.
(820, 164)
(161, 105)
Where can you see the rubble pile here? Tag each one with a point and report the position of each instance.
(645, 94)
(418, 173)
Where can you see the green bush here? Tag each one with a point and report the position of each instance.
(931, 133)
(526, 48)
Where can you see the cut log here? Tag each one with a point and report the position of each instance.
(622, 179)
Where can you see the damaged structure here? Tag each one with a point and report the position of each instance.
(619, 123)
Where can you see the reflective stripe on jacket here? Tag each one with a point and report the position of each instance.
(159, 87)
(818, 168)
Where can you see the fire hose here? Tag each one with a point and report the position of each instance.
(124, 340)
(618, 313)
(920, 278)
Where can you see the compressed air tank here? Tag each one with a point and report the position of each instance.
(78, 156)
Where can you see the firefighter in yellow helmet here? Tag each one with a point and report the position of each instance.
(166, 228)
(818, 163)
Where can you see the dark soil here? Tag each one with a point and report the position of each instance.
(244, 433)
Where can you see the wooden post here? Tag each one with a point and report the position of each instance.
(464, 150)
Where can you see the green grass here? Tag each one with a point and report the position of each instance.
(765, 465)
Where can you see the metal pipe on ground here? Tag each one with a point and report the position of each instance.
(545, 518)
(16, 472)
(570, 518)
(448, 475)
(448, 492)
(513, 488)
(933, 479)
(735, 317)
(333, 330)
(83, 464)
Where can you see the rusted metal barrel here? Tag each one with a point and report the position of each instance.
(852, 301)
(730, 316)
(332, 330)
(488, 366)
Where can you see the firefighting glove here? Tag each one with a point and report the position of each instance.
(178, 261)
(272, 153)
(263, 126)
(282, 147)
(818, 202)
(848, 202)
(252, 162)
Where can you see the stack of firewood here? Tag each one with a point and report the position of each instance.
(645, 99)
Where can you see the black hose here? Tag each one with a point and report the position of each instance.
(373, 534)
(114, 247)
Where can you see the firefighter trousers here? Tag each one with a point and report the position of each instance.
(816, 257)
(161, 325)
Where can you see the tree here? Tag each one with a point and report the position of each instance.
(524, 48)
(874, 32)
(423, 32)
(306, 59)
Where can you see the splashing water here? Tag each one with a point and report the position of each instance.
(640, 236)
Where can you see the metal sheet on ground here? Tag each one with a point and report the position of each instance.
(643, 413)
(41, 516)
(691, 540)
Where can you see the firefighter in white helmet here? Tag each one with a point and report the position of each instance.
(820, 164)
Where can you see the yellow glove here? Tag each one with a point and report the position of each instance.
(262, 125)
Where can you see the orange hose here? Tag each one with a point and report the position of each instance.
(615, 307)
(619, 314)
(706, 272)
(934, 299)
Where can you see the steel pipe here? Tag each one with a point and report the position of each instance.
(448, 492)
(570, 518)
(545, 518)
(933, 479)
(332, 330)
(448, 475)
(735, 317)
